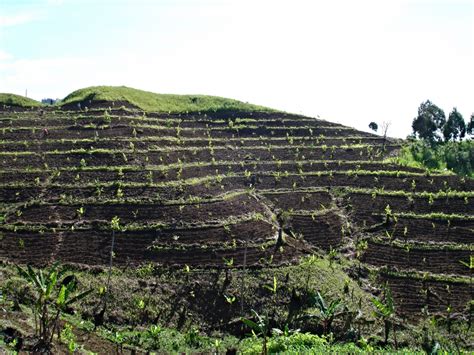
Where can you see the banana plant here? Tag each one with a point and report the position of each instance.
(385, 310)
(261, 326)
(52, 298)
(327, 312)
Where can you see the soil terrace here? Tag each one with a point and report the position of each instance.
(218, 188)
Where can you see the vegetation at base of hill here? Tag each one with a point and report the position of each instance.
(149, 101)
(137, 312)
(13, 100)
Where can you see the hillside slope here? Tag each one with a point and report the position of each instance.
(227, 186)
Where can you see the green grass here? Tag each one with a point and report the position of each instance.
(17, 101)
(149, 101)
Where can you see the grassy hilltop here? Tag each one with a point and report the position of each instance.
(152, 102)
(18, 101)
(144, 100)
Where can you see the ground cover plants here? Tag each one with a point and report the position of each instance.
(223, 226)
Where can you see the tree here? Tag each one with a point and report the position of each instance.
(455, 127)
(373, 126)
(429, 122)
(385, 126)
(470, 125)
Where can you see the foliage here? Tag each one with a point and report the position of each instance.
(149, 101)
(432, 152)
(259, 327)
(52, 297)
(385, 310)
(306, 343)
(455, 127)
(470, 126)
(327, 311)
(373, 126)
(455, 156)
(429, 122)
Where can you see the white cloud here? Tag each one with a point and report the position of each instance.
(4, 56)
(54, 2)
(16, 19)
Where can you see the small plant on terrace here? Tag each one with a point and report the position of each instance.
(272, 287)
(470, 266)
(361, 246)
(388, 214)
(230, 299)
(99, 190)
(332, 256)
(115, 224)
(81, 211)
(228, 262)
(430, 199)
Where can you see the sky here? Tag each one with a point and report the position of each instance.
(345, 61)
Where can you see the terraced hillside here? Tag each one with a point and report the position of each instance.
(239, 186)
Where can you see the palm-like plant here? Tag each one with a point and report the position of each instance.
(259, 327)
(385, 310)
(52, 298)
(327, 312)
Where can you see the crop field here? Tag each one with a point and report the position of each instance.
(230, 190)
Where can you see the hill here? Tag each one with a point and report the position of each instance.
(152, 102)
(17, 101)
(212, 207)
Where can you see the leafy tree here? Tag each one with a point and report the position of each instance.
(470, 125)
(373, 126)
(429, 122)
(455, 127)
